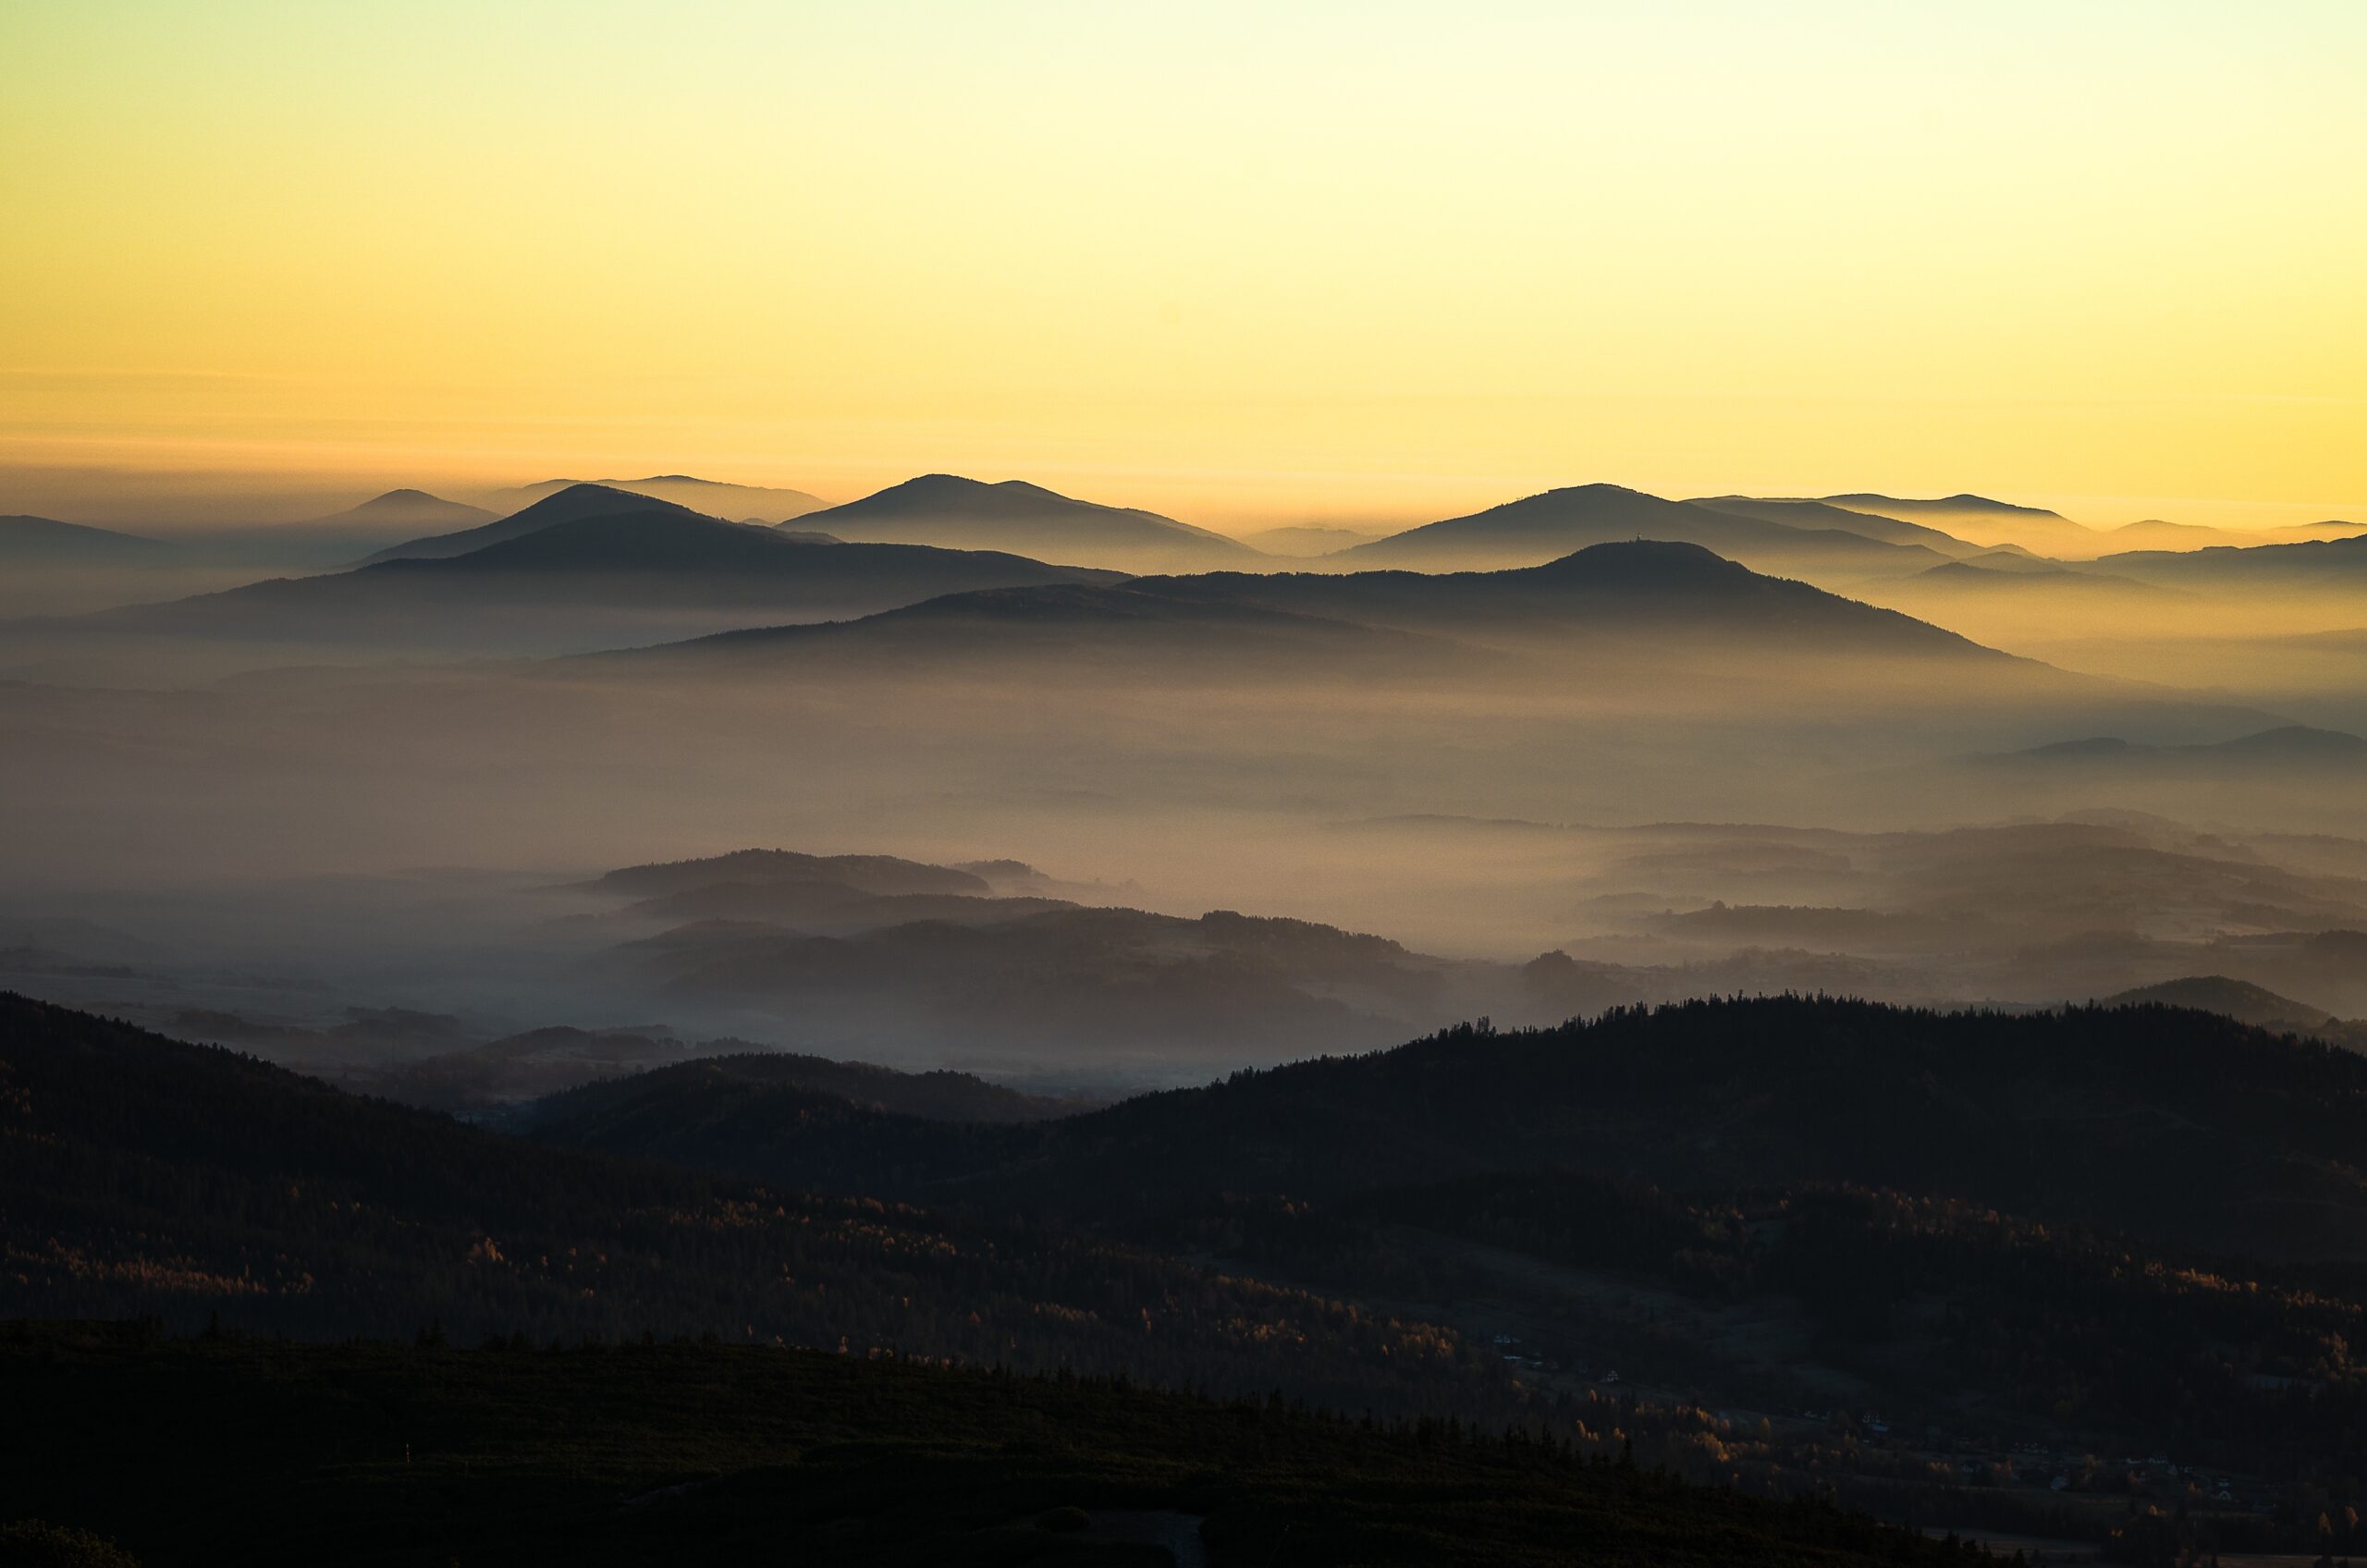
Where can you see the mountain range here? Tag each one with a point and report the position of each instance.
(1545, 527)
(585, 567)
(43, 541)
(1673, 601)
(956, 513)
(749, 502)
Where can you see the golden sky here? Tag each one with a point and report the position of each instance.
(1241, 262)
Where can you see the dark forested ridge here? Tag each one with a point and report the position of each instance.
(2179, 1125)
(194, 1451)
(1721, 1235)
(140, 1175)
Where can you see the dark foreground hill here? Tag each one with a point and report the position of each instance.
(142, 1176)
(2180, 1126)
(228, 1449)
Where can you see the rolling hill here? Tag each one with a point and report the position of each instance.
(763, 503)
(2182, 1127)
(1981, 521)
(1545, 527)
(2283, 752)
(402, 511)
(1807, 514)
(2329, 565)
(43, 541)
(573, 504)
(571, 583)
(1673, 603)
(968, 514)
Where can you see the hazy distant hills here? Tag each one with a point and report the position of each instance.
(1545, 527)
(766, 504)
(2328, 565)
(2278, 752)
(1821, 515)
(1676, 602)
(1677, 590)
(573, 504)
(45, 542)
(948, 510)
(1303, 541)
(2239, 999)
(1981, 521)
(573, 573)
(402, 510)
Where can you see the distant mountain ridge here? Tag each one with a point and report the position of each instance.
(404, 509)
(766, 503)
(573, 504)
(1550, 525)
(951, 511)
(44, 541)
(2266, 751)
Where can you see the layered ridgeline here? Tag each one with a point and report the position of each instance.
(44, 541)
(749, 503)
(587, 566)
(2184, 1127)
(144, 1176)
(956, 513)
(2328, 567)
(2128, 1231)
(1540, 528)
(1669, 603)
(944, 962)
(1862, 1209)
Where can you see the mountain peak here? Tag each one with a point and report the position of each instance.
(1641, 562)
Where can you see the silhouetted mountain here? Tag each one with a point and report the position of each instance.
(2155, 534)
(2331, 528)
(1983, 521)
(2336, 566)
(2008, 563)
(1673, 602)
(766, 1087)
(400, 511)
(1081, 633)
(1963, 505)
(1121, 989)
(1303, 540)
(946, 509)
(590, 582)
(190, 1183)
(573, 504)
(2239, 999)
(2277, 752)
(1806, 514)
(1681, 593)
(45, 542)
(1546, 527)
(764, 503)
(2180, 1126)
(878, 874)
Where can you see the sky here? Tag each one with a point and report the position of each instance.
(1244, 263)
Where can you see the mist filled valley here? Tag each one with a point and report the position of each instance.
(1054, 786)
(1878, 979)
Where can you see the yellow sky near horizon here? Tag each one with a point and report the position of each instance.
(1245, 264)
